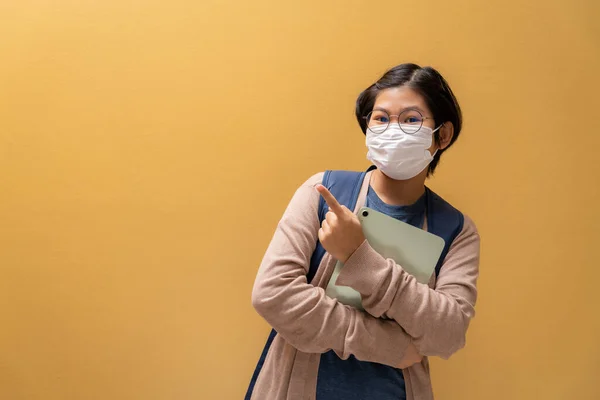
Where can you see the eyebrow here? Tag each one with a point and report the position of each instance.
(404, 109)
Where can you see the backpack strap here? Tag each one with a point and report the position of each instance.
(443, 220)
(259, 365)
(345, 187)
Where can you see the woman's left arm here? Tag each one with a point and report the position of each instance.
(437, 319)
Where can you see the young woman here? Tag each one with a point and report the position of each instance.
(325, 350)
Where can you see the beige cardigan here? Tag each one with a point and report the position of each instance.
(434, 318)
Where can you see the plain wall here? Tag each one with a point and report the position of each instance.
(148, 149)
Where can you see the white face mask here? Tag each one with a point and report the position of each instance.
(399, 155)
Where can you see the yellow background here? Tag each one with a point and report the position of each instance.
(148, 148)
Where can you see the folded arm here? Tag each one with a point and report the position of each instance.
(437, 319)
(301, 313)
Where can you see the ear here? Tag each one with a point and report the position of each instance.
(446, 134)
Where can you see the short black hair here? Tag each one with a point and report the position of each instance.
(430, 84)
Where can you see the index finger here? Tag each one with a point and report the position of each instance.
(329, 199)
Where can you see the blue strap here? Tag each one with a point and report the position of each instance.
(261, 361)
(445, 221)
(345, 187)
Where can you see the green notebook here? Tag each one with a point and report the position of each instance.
(416, 250)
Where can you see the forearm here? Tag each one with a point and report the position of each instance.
(314, 323)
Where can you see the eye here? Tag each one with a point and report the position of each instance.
(411, 117)
(379, 117)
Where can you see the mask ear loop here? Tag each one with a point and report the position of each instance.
(437, 129)
(435, 141)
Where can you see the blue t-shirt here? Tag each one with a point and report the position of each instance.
(352, 379)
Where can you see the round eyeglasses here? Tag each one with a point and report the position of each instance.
(410, 121)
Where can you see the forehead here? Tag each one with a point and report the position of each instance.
(397, 99)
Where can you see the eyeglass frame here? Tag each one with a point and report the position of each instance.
(366, 118)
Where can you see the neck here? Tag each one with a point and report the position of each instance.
(398, 193)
